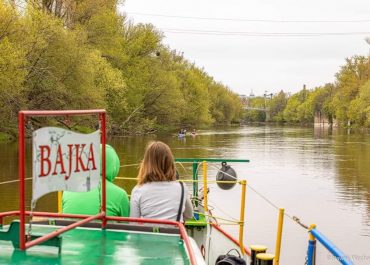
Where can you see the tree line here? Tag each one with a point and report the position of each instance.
(66, 54)
(346, 102)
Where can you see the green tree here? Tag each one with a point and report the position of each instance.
(290, 113)
(254, 115)
(13, 67)
(64, 54)
(349, 80)
(277, 105)
(359, 109)
(298, 108)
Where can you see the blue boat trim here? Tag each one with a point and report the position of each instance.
(337, 253)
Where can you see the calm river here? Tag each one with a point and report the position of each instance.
(322, 177)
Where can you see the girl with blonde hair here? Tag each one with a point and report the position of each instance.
(158, 195)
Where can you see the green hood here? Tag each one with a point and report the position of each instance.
(112, 163)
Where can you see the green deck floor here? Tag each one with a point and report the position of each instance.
(94, 246)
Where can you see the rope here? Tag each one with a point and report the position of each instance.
(293, 218)
(298, 221)
(186, 171)
(130, 165)
(228, 215)
(12, 181)
(223, 219)
(29, 230)
(124, 178)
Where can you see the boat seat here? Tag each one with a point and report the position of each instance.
(116, 226)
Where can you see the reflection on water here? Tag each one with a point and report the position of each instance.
(352, 154)
(321, 176)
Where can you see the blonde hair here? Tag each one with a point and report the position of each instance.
(157, 164)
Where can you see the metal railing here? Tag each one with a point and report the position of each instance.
(311, 251)
(314, 234)
(196, 162)
(195, 165)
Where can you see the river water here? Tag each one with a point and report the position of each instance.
(320, 176)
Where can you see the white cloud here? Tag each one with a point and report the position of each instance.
(261, 63)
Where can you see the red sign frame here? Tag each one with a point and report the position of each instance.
(22, 115)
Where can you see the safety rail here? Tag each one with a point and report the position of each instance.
(101, 217)
(205, 182)
(196, 162)
(195, 165)
(22, 117)
(311, 251)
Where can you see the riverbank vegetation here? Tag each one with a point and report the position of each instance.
(62, 54)
(344, 103)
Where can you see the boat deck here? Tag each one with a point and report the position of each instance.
(85, 245)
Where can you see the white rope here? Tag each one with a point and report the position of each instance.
(186, 171)
(219, 209)
(12, 181)
(130, 165)
(293, 218)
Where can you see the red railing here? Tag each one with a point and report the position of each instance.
(85, 218)
(227, 235)
(101, 216)
(22, 115)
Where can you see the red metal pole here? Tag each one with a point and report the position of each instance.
(21, 173)
(61, 112)
(217, 227)
(142, 220)
(11, 213)
(21, 163)
(58, 215)
(62, 230)
(104, 194)
(102, 215)
(185, 237)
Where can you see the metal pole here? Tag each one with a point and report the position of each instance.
(205, 188)
(341, 257)
(195, 184)
(242, 211)
(21, 172)
(62, 230)
(60, 194)
(103, 141)
(311, 251)
(279, 235)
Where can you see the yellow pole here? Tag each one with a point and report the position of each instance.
(205, 188)
(60, 201)
(242, 210)
(278, 236)
(310, 236)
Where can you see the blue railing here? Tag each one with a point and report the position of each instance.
(336, 252)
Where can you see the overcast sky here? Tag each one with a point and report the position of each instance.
(260, 63)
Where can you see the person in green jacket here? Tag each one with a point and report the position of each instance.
(90, 202)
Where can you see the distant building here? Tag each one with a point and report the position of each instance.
(244, 99)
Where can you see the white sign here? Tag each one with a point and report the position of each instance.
(64, 160)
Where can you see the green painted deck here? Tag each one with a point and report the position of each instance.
(95, 246)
